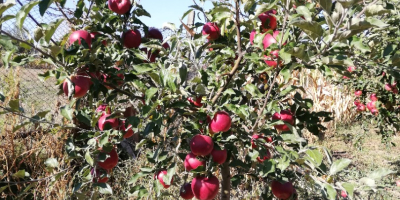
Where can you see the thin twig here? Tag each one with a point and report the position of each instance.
(33, 46)
(238, 60)
(63, 13)
(90, 8)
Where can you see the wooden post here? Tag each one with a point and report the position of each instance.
(190, 21)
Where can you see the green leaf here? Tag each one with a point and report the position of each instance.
(6, 18)
(315, 155)
(88, 158)
(7, 57)
(357, 42)
(283, 163)
(302, 10)
(326, 5)
(43, 5)
(253, 90)
(3, 188)
(170, 173)
(23, 12)
(339, 165)
(142, 68)
(367, 181)
(183, 72)
(67, 112)
(79, 9)
(14, 105)
(149, 94)
(375, 9)
(2, 97)
(51, 163)
(331, 191)
(376, 22)
(136, 177)
(264, 8)
(51, 28)
(7, 5)
(104, 188)
(313, 29)
(20, 174)
(170, 26)
(380, 173)
(349, 187)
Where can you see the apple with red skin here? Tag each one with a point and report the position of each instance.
(265, 157)
(374, 111)
(258, 136)
(252, 36)
(166, 46)
(351, 68)
(80, 34)
(154, 33)
(212, 30)
(186, 191)
(196, 103)
(371, 105)
(220, 123)
(357, 102)
(160, 176)
(151, 56)
(93, 36)
(191, 162)
(343, 194)
(132, 39)
(270, 39)
(286, 116)
(282, 190)
(268, 21)
(127, 133)
(219, 156)
(358, 93)
(201, 145)
(111, 161)
(104, 123)
(373, 97)
(98, 177)
(119, 6)
(361, 107)
(205, 188)
(81, 86)
(103, 108)
(388, 87)
(270, 60)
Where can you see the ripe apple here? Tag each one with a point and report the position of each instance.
(151, 56)
(105, 123)
(351, 68)
(111, 161)
(265, 157)
(212, 30)
(201, 145)
(268, 21)
(205, 188)
(374, 111)
(271, 60)
(221, 122)
(81, 85)
(388, 87)
(371, 105)
(104, 108)
(343, 194)
(132, 39)
(98, 177)
(160, 176)
(357, 102)
(166, 46)
(127, 133)
(373, 97)
(258, 136)
(93, 36)
(282, 190)
(252, 36)
(361, 107)
(270, 39)
(80, 34)
(154, 34)
(358, 93)
(284, 115)
(219, 156)
(191, 162)
(196, 103)
(119, 6)
(186, 191)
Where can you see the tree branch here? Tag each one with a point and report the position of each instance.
(238, 60)
(63, 13)
(33, 46)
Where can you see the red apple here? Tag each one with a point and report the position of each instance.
(196, 103)
(186, 191)
(358, 93)
(257, 136)
(212, 30)
(265, 157)
(374, 111)
(154, 34)
(160, 176)
(93, 36)
(219, 156)
(373, 97)
(201, 145)
(191, 162)
(345, 77)
(127, 133)
(286, 116)
(205, 188)
(119, 6)
(361, 107)
(132, 39)
(151, 56)
(272, 60)
(388, 87)
(98, 177)
(166, 46)
(357, 102)
(80, 34)
(221, 122)
(351, 68)
(343, 194)
(268, 21)
(282, 190)
(110, 161)
(81, 85)
(371, 105)
(252, 36)
(107, 123)
(270, 39)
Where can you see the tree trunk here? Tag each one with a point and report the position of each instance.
(226, 181)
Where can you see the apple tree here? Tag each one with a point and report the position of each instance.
(214, 111)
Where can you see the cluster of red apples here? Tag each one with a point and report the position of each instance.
(371, 106)
(130, 39)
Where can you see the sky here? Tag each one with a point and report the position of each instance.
(161, 11)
